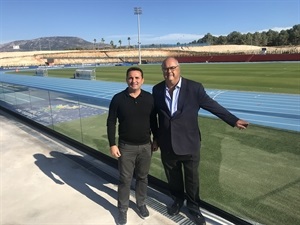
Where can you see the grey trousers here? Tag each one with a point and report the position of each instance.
(134, 158)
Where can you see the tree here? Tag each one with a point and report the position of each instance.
(112, 43)
(269, 38)
(120, 42)
(294, 35)
(256, 38)
(249, 38)
(264, 38)
(283, 38)
(234, 38)
(208, 38)
(221, 40)
(272, 37)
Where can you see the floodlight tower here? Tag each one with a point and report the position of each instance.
(138, 12)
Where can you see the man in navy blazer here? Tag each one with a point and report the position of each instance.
(177, 102)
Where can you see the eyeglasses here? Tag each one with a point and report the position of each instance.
(172, 68)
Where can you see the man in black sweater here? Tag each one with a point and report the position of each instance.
(134, 110)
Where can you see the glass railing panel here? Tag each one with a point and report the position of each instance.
(1, 93)
(93, 123)
(23, 102)
(8, 98)
(40, 107)
(65, 111)
(156, 167)
(252, 174)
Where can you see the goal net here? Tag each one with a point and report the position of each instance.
(42, 72)
(85, 74)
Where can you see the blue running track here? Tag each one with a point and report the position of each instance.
(266, 109)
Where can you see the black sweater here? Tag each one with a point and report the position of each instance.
(136, 118)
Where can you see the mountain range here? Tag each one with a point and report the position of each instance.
(51, 43)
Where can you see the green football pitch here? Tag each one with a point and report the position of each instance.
(280, 77)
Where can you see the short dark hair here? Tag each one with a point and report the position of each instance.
(133, 69)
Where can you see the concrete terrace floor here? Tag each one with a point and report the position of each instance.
(45, 181)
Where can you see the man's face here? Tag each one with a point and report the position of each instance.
(171, 72)
(134, 80)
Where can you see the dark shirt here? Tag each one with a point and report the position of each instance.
(136, 118)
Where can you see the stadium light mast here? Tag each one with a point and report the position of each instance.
(138, 12)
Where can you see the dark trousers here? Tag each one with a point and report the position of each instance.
(134, 158)
(182, 174)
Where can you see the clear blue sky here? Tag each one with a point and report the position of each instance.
(161, 21)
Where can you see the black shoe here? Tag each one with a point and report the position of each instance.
(174, 209)
(122, 218)
(143, 211)
(198, 218)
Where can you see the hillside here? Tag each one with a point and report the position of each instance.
(48, 44)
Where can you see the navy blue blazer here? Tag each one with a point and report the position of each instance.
(181, 131)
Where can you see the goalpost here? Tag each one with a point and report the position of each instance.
(85, 74)
(42, 72)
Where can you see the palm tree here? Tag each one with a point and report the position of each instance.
(101, 43)
(128, 41)
(94, 42)
(120, 42)
(112, 43)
